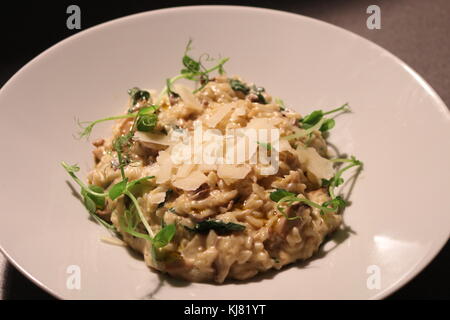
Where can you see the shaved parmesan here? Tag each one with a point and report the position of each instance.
(229, 171)
(185, 170)
(220, 112)
(207, 167)
(192, 182)
(318, 167)
(263, 123)
(189, 100)
(238, 112)
(148, 137)
(286, 146)
(165, 167)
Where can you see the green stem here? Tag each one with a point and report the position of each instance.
(342, 160)
(122, 169)
(306, 132)
(338, 175)
(164, 91)
(337, 109)
(182, 76)
(81, 183)
(141, 215)
(310, 203)
(88, 129)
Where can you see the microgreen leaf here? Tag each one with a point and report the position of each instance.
(148, 110)
(312, 119)
(218, 226)
(164, 236)
(99, 201)
(337, 182)
(328, 124)
(191, 65)
(283, 196)
(70, 168)
(261, 98)
(338, 203)
(147, 122)
(137, 181)
(237, 85)
(128, 223)
(89, 203)
(118, 189)
(280, 194)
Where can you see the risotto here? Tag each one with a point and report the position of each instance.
(207, 222)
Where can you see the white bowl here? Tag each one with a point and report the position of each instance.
(400, 128)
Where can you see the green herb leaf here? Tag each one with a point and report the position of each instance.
(88, 202)
(138, 181)
(70, 168)
(218, 226)
(99, 201)
(190, 64)
(327, 125)
(138, 95)
(280, 194)
(312, 119)
(164, 236)
(147, 110)
(118, 189)
(337, 203)
(337, 182)
(128, 223)
(237, 85)
(147, 122)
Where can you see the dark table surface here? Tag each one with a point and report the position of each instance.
(414, 30)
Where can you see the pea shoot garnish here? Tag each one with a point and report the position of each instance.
(192, 70)
(316, 120)
(284, 197)
(237, 85)
(94, 198)
(335, 204)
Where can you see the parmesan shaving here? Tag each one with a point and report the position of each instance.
(165, 167)
(263, 123)
(148, 137)
(185, 170)
(229, 171)
(189, 100)
(192, 182)
(220, 112)
(319, 167)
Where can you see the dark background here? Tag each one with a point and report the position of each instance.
(417, 31)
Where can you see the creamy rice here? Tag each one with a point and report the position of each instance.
(270, 239)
